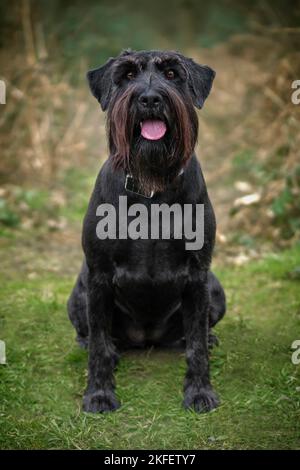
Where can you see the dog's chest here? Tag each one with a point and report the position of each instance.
(149, 283)
(147, 304)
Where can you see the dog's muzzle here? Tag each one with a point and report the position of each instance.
(150, 104)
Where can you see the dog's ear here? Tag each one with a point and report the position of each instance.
(100, 82)
(200, 79)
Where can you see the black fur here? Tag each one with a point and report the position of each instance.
(135, 293)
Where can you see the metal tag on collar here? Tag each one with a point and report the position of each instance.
(131, 186)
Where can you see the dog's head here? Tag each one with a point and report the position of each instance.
(152, 123)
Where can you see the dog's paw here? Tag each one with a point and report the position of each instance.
(100, 402)
(201, 400)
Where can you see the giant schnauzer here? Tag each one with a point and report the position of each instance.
(140, 292)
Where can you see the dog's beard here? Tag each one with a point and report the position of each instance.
(153, 163)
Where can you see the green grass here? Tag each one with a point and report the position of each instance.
(42, 385)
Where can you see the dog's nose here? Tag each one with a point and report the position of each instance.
(149, 99)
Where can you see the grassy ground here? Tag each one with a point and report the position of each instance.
(41, 387)
(42, 384)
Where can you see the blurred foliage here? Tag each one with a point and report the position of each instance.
(286, 205)
(30, 208)
(48, 125)
(97, 29)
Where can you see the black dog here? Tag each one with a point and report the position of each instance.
(144, 291)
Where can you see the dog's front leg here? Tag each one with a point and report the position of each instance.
(198, 392)
(99, 395)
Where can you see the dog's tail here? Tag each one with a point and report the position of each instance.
(217, 300)
(77, 308)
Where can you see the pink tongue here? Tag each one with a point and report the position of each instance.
(153, 130)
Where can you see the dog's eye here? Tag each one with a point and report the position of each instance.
(130, 75)
(170, 74)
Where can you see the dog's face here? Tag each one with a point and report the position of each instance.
(152, 123)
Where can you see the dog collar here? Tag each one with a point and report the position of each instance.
(132, 186)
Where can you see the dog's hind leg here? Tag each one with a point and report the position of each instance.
(217, 306)
(77, 308)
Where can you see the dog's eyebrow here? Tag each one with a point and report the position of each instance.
(166, 60)
(131, 62)
(171, 62)
(127, 61)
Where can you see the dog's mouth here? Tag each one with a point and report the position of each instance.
(153, 129)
